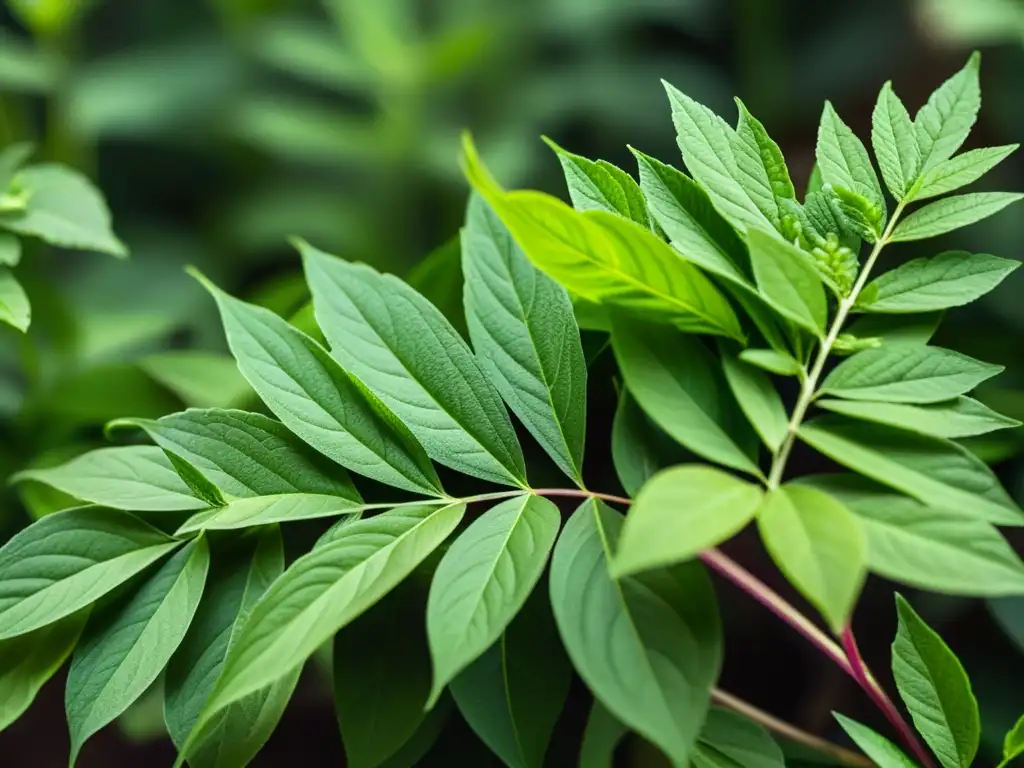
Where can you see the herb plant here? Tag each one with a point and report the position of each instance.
(714, 287)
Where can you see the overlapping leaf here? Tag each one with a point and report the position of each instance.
(943, 123)
(961, 417)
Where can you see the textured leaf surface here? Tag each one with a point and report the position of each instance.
(895, 143)
(962, 417)
(878, 748)
(402, 348)
(321, 402)
(524, 331)
(951, 279)
(67, 561)
(729, 740)
(679, 513)
(951, 213)
(15, 309)
(678, 384)
(907, 375)
(753, 134)
(819, 545)
(789, 281)
(592, 187)
(125, 646)
(944, 121)
(648, 646)
(246, 454)
(937, 472)
(757, 398)
(844, 160)
(935, 688)
(483, 580)
(266, 510)
(959, 171)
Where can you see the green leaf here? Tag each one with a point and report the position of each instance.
(678, 384)
(416, 748)
(125, 646)
(591, 186)
(951, 279)
(758, 399)
(648, 646)
(319, 401)
(65, 210)
(199, 379)
(844, 161)
(438, 278)
(858, 214)
(13, 156)
(772, 361)
(246, 454)
(68, 560)
(729, 740)
(935, 688)
(1013, 744)
(239, 575)
(819, 545)
(512, 696)
(960, 171)
(962, 417)
(931, 549)
(524, 332)
(325, 590)
(753, 134)
(895, 143)
(937, 472)
(789, 281)
(483, 580)
(679, 513)
(10, 250)
(404, 350)
(606, 259)
(951, 213)
(639, 447)
(28, 661)
(266, 510)
(134, 477)
(944, 121)
(602, 735)
(14, 307)
(730, 169)
(878, 748)
(382, 677)
(635, 199)
(917, 374)
(897, 329)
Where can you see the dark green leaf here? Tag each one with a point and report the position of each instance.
(603, 733)
(729, 740)
(639, 447)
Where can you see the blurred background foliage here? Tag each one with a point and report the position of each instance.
(218, 128)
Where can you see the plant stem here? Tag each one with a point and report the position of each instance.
(791, 732)
(867, 681)
(809, 387)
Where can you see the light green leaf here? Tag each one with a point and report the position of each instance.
(28, 661)
(65, 210)
(648, 646)
(246, 454)
(319, 401)
(134, 477)
(753, 134)
(524, 332)
(789, 281)
(512, 696)
(857, 214)
(15, 309)
(639, 447)
(819, 545)
(13, 156)
(68, 560)
(935, 688)
(126, 645)
(944, 121)
(960, 171)
(602, 735)
(635, 200)
(404, 350)
(10, 250)
(844, 161)
(878, 748)
(679, 513)
(951, 213)
(962, 417)
(895, 143)
(200, 379)
(606, 259)
(678, 384)
(758, 399)
(239, 575)
(727, 167)
(951, 279)
(382, 676)
(772, 361)
(917, 374)
(729, 740)
(1013, 744)
(266, 510)
(483, 580)
(325, 590)
(937, 472)
(591, 187)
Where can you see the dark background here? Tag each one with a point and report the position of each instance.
(219, 128)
